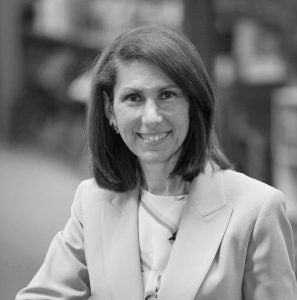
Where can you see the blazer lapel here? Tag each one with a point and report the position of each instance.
(203, 225)
(122, 260)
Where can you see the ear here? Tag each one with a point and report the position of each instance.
(108, 109)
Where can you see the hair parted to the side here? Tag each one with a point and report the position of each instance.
(114, 166)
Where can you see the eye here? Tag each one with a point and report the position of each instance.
(133, 98)
(167, 94)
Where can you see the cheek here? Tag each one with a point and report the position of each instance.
(183, 130)
(125, 122)
(121, 116)
(184, 120)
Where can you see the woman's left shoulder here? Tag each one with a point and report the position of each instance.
(241, 189)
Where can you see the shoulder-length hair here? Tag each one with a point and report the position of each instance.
(114, 166)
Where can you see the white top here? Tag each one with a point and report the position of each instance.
(159, 218)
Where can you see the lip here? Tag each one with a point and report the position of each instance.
(153, 138)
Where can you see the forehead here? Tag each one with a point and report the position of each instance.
(139, 73)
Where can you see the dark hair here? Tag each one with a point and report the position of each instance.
(114, 166)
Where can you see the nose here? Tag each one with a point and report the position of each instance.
(151, 115)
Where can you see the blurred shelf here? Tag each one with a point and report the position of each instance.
(54, 61)
(45, 115)
(84, 40)
(59, 97)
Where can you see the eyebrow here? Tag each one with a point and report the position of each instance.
(173, 85)
(139, 90)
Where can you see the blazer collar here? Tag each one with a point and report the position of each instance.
(121, 247)
(207, 191)
(203, 224)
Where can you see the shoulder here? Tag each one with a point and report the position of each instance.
(89, 197)
(243, 191)
(88, 189)
(258, 209)
(233, 179)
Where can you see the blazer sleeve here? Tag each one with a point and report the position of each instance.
(64, 273)
(269, 270)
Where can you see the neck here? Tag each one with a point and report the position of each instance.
(157, 182)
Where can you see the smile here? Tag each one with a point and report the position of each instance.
(151, 138)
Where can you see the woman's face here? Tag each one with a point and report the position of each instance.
(151, 113)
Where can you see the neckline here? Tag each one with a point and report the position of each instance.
(156, 197)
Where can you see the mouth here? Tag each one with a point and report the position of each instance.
(153, 138)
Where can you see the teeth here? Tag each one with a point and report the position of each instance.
(153, 138)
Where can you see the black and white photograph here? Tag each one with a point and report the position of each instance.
(148, 149)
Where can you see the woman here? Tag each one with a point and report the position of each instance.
(165, 217)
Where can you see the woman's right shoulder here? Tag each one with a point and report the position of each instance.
(89, 194)
(89, 185)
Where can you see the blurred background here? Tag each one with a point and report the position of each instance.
(46, 50)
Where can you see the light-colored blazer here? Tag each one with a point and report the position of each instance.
(234, 242)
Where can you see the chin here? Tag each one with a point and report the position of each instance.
(151, 158)
(154, 158)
